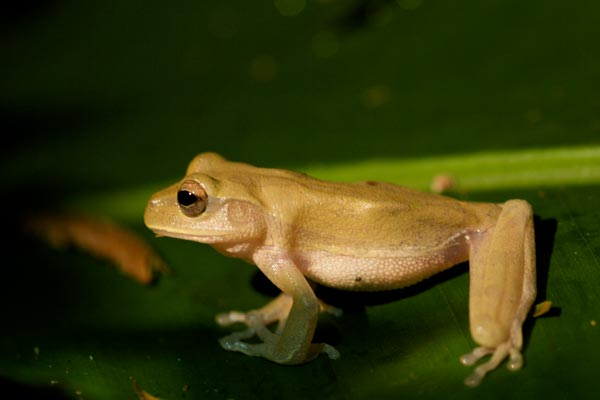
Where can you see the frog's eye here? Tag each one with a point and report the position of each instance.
(191, 198)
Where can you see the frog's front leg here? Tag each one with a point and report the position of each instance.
(502, 288)
(296, 309)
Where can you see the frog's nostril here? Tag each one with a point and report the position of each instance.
(155, 202)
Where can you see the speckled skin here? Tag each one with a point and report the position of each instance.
(352, 236)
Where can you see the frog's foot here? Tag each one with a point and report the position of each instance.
(257, 324)
(268, 348)
(498, 354)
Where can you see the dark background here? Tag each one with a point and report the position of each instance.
(102, 97)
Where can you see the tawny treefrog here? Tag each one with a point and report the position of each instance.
(363, 236)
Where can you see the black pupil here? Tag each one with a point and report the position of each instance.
(186, 198)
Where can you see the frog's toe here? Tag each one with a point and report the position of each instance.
(232, 345)
(329, 309)
(250, 349)
(267, 349)
(498, 355)
(331, 351)
(516, 360)
(475, 355)
(229, 318)
(236, 342)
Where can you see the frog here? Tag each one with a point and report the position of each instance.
(301, 231)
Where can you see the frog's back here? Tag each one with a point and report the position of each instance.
(371, 217)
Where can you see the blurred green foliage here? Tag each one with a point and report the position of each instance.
(104, 101)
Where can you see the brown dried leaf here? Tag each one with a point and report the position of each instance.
(142, 394)
(101, 238)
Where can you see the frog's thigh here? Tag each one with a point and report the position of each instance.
(502, 281)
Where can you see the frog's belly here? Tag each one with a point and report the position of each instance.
(376, 273)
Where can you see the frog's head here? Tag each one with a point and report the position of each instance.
(208, 205)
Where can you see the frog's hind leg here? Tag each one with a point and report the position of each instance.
(502, 289)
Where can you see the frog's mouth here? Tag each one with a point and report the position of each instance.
(213, 237)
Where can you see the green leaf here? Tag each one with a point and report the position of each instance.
(104, 103)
